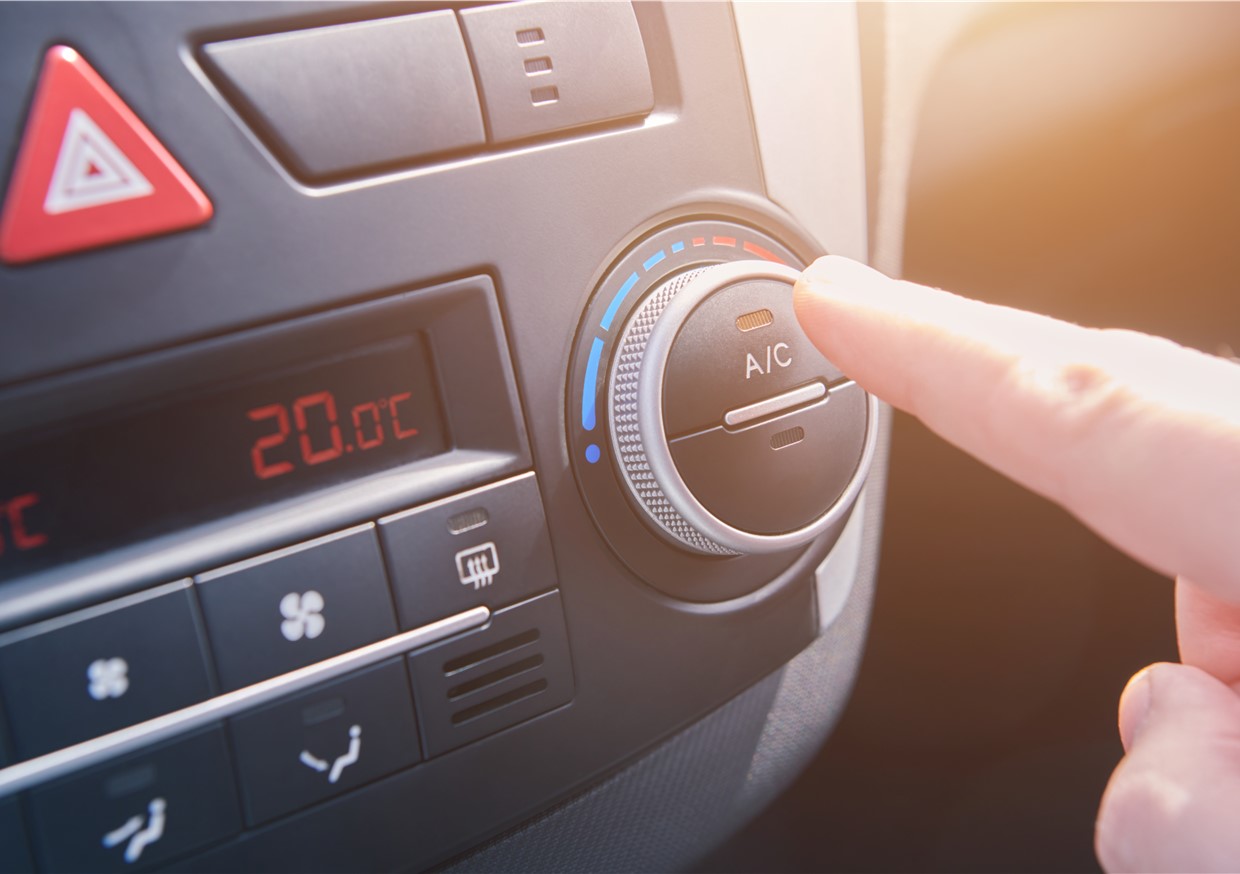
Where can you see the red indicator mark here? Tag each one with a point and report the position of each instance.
(725, 241)
(755, 249)
(699, 241)
(14, 510)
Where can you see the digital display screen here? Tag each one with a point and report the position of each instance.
(121, 476)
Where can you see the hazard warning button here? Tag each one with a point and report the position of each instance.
(89, 173)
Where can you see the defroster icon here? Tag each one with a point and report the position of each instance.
(478, 565)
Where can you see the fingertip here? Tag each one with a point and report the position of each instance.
(832, 291)
(1134, 706)
(1168, 805)
(838, 270)
(1168, 693)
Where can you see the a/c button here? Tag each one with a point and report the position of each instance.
(486, 547)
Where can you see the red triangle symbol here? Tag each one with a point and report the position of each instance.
(89, 173)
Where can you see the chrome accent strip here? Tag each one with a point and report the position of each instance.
(771, 406)
(24, 775)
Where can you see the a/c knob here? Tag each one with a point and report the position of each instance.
(732, 433)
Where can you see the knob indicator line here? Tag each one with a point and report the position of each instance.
(773, 406)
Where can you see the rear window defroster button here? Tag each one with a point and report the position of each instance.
(488, 546)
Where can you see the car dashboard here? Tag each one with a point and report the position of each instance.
(408, 453)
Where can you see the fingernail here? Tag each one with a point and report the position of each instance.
(835, 275)
(1134, 707)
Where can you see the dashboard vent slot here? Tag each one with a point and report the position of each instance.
(515, 668)
(491, 679)
(473, 659)
(512, 697)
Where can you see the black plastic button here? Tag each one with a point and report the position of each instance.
(139, 811)
(547, 66)
(101, 669)
(513, 669)
(5, 757)
(778, 475)
(14, 853)
(489, 547)
(340, 98)
(325, 742)
(741, 345)
(295, 607)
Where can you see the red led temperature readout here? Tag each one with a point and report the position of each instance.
(321, 436)
(13, 511)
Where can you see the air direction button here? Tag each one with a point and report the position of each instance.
(313, 746)
(89, 172)
(139, 811)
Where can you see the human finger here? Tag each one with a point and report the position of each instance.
(1170, 805)
(1208, 629)
(1138, 437)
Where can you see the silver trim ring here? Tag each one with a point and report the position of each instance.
(644, 411)
(626, 441)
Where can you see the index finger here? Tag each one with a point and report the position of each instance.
(1136, 436)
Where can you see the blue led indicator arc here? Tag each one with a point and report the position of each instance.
(593, 453)
(588, 390)
(589, 417)
(614, 306)
(653, 259)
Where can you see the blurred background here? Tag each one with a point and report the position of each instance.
(1080, 160)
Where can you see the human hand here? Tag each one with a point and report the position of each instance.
(1137, 437)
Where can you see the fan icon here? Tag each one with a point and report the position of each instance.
(303, 615)
(107, 678)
